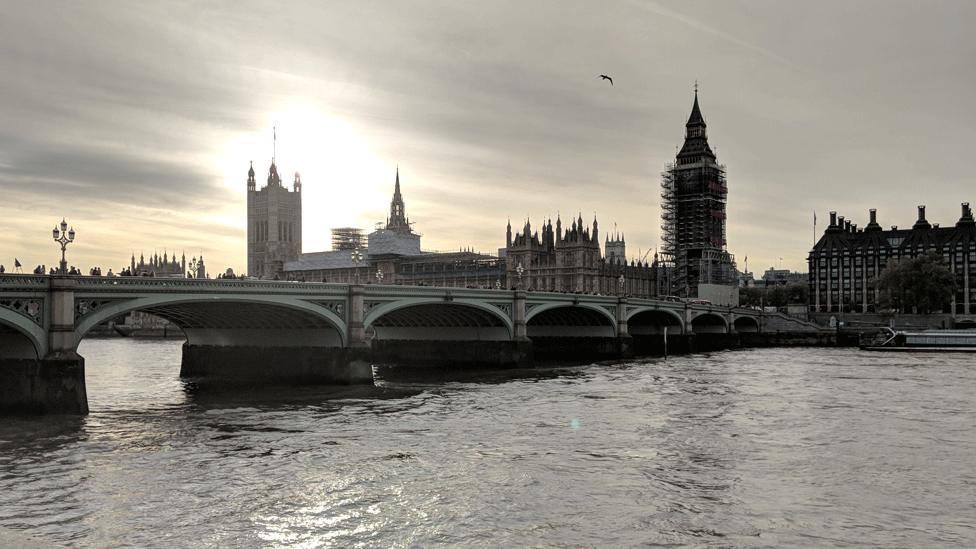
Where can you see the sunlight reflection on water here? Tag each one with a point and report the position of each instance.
(771, 447)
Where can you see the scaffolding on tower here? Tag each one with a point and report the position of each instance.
(348, 238)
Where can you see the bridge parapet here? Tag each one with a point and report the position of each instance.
(14, 282)
(148, 284)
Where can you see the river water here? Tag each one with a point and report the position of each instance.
(754, 448)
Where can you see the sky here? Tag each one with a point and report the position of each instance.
(136, 121)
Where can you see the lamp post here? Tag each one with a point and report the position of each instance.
(519, 270)
(379, 276)
(357, 258)
(498, 284)
(63, 236)
(620, 285)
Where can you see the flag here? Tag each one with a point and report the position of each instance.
(16, 262)
(814, 217)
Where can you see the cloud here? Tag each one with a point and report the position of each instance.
(136, 121)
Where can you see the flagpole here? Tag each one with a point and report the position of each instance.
(814, 227)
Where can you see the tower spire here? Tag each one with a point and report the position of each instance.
(274, 143)
(398, 217)
(695, 147)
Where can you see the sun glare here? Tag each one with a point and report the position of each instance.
(342, 180)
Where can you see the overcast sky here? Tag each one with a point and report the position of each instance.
(136, 120)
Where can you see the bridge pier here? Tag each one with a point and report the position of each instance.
(55, 382)
(52, 385)
(261, 364)
(453, 354)
(707, 341)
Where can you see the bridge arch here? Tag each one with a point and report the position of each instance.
(646, 320)
(709, 323)
(247, 320)
(439, 319)
(20, 337)
(746, 324)
(570, 320)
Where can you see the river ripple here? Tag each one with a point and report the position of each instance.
(755, 448)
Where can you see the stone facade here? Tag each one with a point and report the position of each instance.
(554, 261)
(274, 224)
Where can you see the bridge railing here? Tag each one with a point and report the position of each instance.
(15, 280)
(85, 282)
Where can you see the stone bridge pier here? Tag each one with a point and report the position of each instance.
(40, 370)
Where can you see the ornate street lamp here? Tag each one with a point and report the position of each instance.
(519, 270)
(357, 258)
(63, 236)
(498, 284)
(379, 276)
(620, 283)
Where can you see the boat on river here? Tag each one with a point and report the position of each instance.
(959, 341)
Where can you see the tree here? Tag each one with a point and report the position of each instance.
(922, 285)
(750, 297)
(774, 296)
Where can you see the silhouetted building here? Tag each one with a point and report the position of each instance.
(166, 266)
(554, 261)
(158, 266)
(392, 255)
(274, 223)
(846, 262)
(693, 196)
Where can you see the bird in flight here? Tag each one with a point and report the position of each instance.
(605, 77)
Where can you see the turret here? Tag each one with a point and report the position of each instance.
(297, 185)
(508, 234)
(273, 178)
(251, 182)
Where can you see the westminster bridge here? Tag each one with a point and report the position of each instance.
(249, 330)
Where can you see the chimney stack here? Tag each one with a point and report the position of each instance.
(833, 219)
(967, 216)
(921, 223)
(873, 224)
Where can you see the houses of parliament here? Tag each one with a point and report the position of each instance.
(694, 262)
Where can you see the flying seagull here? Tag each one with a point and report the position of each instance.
(605, 77)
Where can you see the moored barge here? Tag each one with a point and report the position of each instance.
(959, 341)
